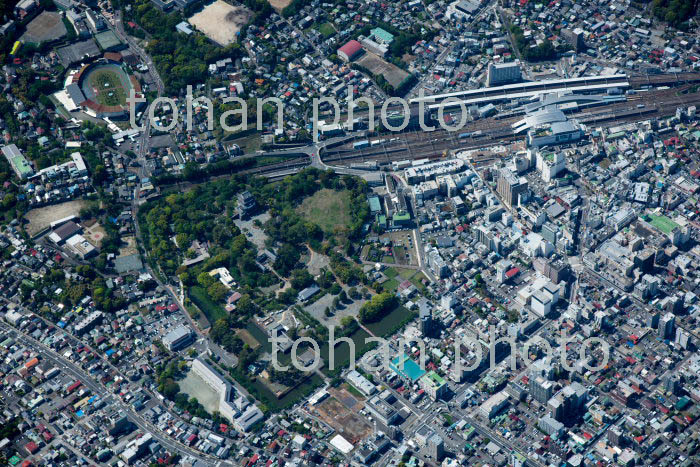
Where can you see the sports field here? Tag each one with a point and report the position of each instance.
(378, 66)
(108, 87)
(46, 27)
(194, 386)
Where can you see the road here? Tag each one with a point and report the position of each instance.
(144, 143)
(114, 368)
(134, 47)
(428, 415)
(227, 358)
(98, 388)
(448, 50)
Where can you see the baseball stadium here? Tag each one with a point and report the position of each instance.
(102, 87)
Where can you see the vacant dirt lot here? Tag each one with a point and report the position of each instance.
(402, 242)
(378, 66)
(346, 421)
(41, 218)
(279, 5)
(130, 248)
(48, 26)
(317, 310)
(315, 262)
(220, 21)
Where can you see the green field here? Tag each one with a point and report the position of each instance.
(213, 311)
(267, 160)
(391, 285)
(391, 273)
(663, 223)
(354, 391)
(398, 275)
(249, 142)
(108, 88)
(303, 390)
(326, 30)
(329, 209)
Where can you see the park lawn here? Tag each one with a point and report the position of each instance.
(388, 259)
(391, 273)
(212, 310)
(326, 30)
(391, 285)
(329, 209)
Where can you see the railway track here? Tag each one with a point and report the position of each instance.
(422, 149)
(663, 79)
(635, 82)
(419, 144)
(289, 164)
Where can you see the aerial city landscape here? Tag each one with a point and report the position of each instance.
(350, 233)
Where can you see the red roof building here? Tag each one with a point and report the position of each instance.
(31, 447)
(350, 51)
(512, 273)
(31, 363)
(73, 387)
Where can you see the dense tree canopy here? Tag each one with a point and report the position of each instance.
(380, 305)
(674, 12)
(544, 51)
(180, 59)
(174, 226)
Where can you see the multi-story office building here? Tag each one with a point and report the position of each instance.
(510, 186)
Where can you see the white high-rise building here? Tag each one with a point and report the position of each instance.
(550, 164)
(503, 73)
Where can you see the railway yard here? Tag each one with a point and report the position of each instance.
(648, 97)
(417, 144)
